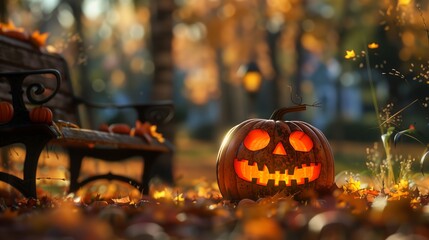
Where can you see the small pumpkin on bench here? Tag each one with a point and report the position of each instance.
(144, 130)
(6, 112)
(41, 115)
(120, 128)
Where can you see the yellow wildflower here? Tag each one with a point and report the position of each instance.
(350, 54)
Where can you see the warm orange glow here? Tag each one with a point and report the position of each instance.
(248, 172)
(252, 81)
(350, 54)
(160, 194)
(262, 228)
(408, 38)
(118, 78)
(256, 139)
(300, 141)
(373, 45)
(279, 150)
(179, 198)
(201, 86)
(403, 2)
(311, 43)
(280, 5)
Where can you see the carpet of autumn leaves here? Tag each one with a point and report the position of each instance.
(199, 212)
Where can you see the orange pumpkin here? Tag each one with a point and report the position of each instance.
(104, 127)
(17, 34)
(262, 157)
(120, 128)
(41, 115)
(6, 112)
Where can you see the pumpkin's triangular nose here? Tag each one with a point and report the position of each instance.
(279, 150)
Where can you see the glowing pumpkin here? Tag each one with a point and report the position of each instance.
(261, 157)
(41, 115)
(6, 112)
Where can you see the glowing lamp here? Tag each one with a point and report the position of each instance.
(251, 77)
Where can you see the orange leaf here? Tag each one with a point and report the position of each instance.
(156, 134)
(124, 200)
(144, 129)
(9, 26)
(39, 39)
(9, 29)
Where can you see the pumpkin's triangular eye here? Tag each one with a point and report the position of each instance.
(256, 139)
(300, 141)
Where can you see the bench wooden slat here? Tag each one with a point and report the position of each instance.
(98, 139)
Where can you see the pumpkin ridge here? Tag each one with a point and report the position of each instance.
(221, 164)
(325, 151)
(326, 148)
(40, 116)
(6, 112)
(227, 151)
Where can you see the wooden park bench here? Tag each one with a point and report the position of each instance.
(30, 78)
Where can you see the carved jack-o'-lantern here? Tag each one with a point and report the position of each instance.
(261, 157)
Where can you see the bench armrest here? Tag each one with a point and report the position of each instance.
(157, 112)
(36, 92)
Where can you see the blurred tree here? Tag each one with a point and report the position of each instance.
(3, 11)
(82, 71)
(162, 82)
(161, 44)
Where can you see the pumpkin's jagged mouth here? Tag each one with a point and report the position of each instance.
(305, 173)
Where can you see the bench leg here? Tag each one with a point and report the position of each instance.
(34, 146)
(75, 164)
(148, 163)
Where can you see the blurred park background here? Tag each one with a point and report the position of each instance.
(194, 51)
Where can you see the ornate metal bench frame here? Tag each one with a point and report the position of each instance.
(79, 143)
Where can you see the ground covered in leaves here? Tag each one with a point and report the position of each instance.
(199, 212)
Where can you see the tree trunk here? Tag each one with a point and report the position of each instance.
(162, 83)
(82, 75)
(162, 35)
(3, 11)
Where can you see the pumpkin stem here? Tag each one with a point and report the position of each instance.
(279, 113)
